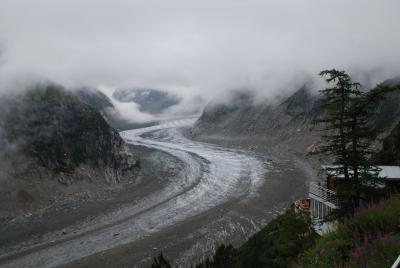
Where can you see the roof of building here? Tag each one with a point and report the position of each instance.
(389, 172)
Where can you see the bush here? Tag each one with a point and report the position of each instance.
(376, 252)
(383, 217)
(330, 250)
(279, 243)
(224, 257)
(275, 245)
(369, 239)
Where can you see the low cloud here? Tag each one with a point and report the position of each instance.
(196, 49)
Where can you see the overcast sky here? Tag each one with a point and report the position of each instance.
(197, 47)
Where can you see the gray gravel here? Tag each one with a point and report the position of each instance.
(217, 194)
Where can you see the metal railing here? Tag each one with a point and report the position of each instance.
(323, 193)
(396, 264)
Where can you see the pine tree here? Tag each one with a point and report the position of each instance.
(349, 138)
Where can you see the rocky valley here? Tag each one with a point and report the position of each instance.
(204, 134)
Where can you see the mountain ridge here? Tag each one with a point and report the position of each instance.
(285, 125)
(54, 146)
(153, 101)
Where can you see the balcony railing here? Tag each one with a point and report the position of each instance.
(323, 193)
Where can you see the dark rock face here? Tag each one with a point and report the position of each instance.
(100, 102)
(94, 98)
(50, 139)
(60, 132)
(149, 100)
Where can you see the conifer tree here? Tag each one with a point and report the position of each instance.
(348, 138)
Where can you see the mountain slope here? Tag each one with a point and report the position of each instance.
(287, 120)
(94, 98)
(149, 100)
(52, 140)
(285, 124)
(390, 152)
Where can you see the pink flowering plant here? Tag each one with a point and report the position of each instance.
(370, 239)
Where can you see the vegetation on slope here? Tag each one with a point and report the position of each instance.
(276, 245)
(369, 239)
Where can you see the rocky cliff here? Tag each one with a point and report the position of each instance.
(97, 99)
(55, 146)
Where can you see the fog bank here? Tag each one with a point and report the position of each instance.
(196, 48)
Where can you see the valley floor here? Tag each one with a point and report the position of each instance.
(200, 195)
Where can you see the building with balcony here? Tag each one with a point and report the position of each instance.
(322, 197)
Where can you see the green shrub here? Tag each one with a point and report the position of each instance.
(279, 243)
(224, 257)
(376, 252)
(276, 245)
(369, 239)
(383, 217)
(330, 250)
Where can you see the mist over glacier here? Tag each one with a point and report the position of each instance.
(195, 48)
